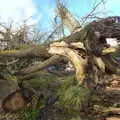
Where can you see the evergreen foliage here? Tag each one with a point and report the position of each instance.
(71, 95)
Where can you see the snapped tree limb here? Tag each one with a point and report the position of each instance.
(78, 62)
(41, 65)
(68, 20)
(37, 51)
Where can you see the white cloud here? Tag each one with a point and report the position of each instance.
(18, 11)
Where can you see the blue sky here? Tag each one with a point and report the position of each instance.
(41, 12)
(79, 8)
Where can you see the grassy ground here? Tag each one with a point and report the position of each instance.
(71, 111)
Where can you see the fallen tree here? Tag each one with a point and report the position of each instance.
(87, 49)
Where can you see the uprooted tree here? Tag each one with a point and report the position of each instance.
(86, 48)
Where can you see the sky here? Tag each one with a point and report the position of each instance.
(41, 12)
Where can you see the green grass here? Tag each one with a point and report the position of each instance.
(28, 114)
(72, 96)
(117, 54)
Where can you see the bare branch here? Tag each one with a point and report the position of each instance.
(41, 65)
(68, 20)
